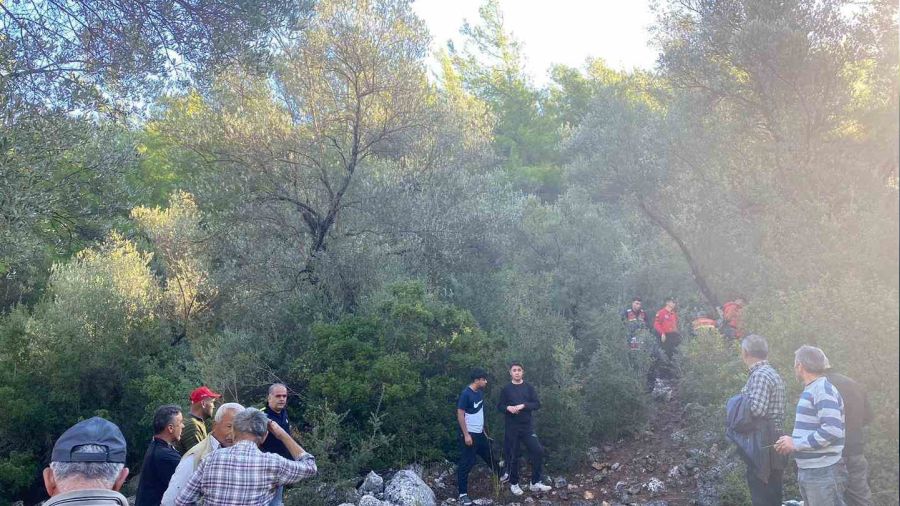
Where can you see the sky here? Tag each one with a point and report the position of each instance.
(558, 31)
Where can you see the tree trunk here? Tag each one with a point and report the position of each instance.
(699, 279)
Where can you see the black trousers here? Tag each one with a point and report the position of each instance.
(514, 436)
(481, 446)
(765, 494)
(673, 339)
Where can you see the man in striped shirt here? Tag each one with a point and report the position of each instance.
(818, 437)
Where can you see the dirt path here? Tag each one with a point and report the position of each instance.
(655, 467)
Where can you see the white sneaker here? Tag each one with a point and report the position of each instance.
(539, 487)
(504, 478)
(516, 489)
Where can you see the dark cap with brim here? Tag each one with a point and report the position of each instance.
(93, 431)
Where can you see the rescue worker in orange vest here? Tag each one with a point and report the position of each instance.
(733, 324)
(702, 321)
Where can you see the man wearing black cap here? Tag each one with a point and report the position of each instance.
(87, 466)
(161, 458)
(473, 440)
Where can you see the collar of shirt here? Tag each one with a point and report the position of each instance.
(813, 382)
(246, 446)
(162, 442)
(282, 416)
(758, 366)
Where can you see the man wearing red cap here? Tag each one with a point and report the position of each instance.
(203, 405)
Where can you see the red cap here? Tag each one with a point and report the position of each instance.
(203, 392)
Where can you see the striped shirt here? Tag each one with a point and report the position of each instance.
(765, 389)
(819, 427)
(243, 476)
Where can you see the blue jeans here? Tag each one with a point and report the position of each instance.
(823, 486)
(278, 500)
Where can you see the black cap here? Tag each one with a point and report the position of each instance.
(478, 373)
(93, 431)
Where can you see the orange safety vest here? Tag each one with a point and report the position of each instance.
(703, 323)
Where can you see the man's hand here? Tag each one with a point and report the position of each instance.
(468, 440)
(519, 407)
(784, 445)
(513, 409)
(662, 337)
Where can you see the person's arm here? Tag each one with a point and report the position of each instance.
(461, 417)
(830, 424)
(292, 471)
(461, 420)
(182, 474)
(658, 325)
(295, 449)
(758, 394)
(503, 403)
(533, 403)
(191, 492)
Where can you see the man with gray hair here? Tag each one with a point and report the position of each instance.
(222, 436)
(764, 391)
(87, 466)
(817, 441)
(244, 475)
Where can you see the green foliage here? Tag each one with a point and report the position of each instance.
(299, 195)
(391, 374)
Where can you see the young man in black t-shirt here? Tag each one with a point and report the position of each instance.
(473, 439)
(517, 400)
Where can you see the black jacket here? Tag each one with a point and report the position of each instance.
(513, 395)
(857, 412)
(160, 462)
(272, 444)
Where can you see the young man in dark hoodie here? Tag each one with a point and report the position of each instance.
(517, 400)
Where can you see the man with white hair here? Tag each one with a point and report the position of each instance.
(243, 475)
(222, 437)
(87, 466)
(817, 441)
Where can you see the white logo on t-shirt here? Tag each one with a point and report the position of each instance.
(477, 404)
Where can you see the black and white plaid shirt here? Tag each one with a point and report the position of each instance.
(765, 389)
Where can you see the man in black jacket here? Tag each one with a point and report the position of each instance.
(857, 414)
(276, 410)
(517, 400)
(161, 458)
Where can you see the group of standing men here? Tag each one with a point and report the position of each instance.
(246, 460)
(827, 438)
(518, 401)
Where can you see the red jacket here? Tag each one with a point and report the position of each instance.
(731, 313)
(666, 321)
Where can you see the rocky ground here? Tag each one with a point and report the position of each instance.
(656, 467)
